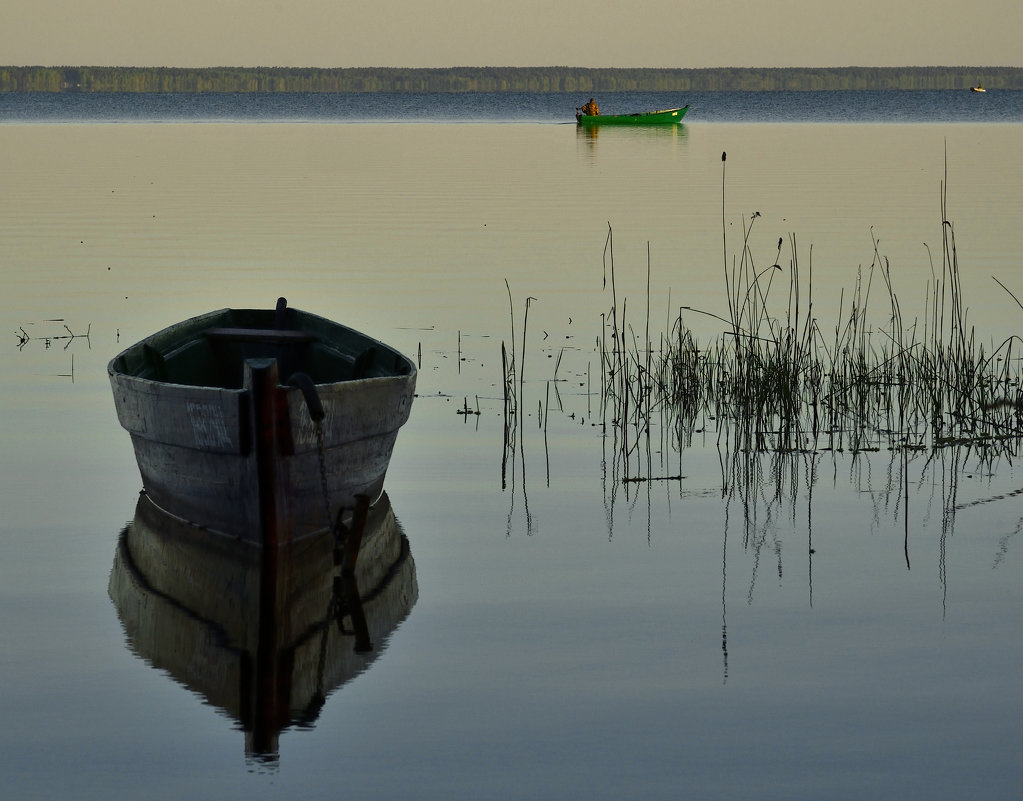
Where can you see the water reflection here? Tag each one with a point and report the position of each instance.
(589, 134)
(264, 636)
(789, 516)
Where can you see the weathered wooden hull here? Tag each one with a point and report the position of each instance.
(263, 635)
(671, 116)
(224, 441)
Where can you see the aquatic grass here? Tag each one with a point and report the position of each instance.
(774, 380)
(790, 387)
(787, 380)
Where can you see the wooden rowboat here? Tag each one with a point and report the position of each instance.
(261, 424)
(670, 116)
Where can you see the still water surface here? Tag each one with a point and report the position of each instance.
(803, 629)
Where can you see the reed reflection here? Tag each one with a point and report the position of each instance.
(265, 635)
(513, 387)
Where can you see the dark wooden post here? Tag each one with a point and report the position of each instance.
(268, 415)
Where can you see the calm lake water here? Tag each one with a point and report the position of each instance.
(819, 625)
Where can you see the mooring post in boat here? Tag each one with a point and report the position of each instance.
(270, 684)
(281, 314)
(268, 413)
(268, 410)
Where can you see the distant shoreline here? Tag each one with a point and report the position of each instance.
(563, 80)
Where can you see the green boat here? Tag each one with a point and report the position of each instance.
(668, 116)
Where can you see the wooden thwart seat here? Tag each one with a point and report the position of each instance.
(269, 335)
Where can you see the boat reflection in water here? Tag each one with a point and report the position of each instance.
(264, 634)
(590, 133)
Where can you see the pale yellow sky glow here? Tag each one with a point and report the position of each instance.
(443, 33)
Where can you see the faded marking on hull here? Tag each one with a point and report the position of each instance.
(208, 425)
(305, 429)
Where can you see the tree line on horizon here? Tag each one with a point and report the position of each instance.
(500, 79)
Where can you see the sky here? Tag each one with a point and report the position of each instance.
(512, 33)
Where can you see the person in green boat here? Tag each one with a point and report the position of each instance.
(590, 109)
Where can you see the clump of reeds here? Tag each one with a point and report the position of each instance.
(777, 380)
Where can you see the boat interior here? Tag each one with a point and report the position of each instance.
(211, 350)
